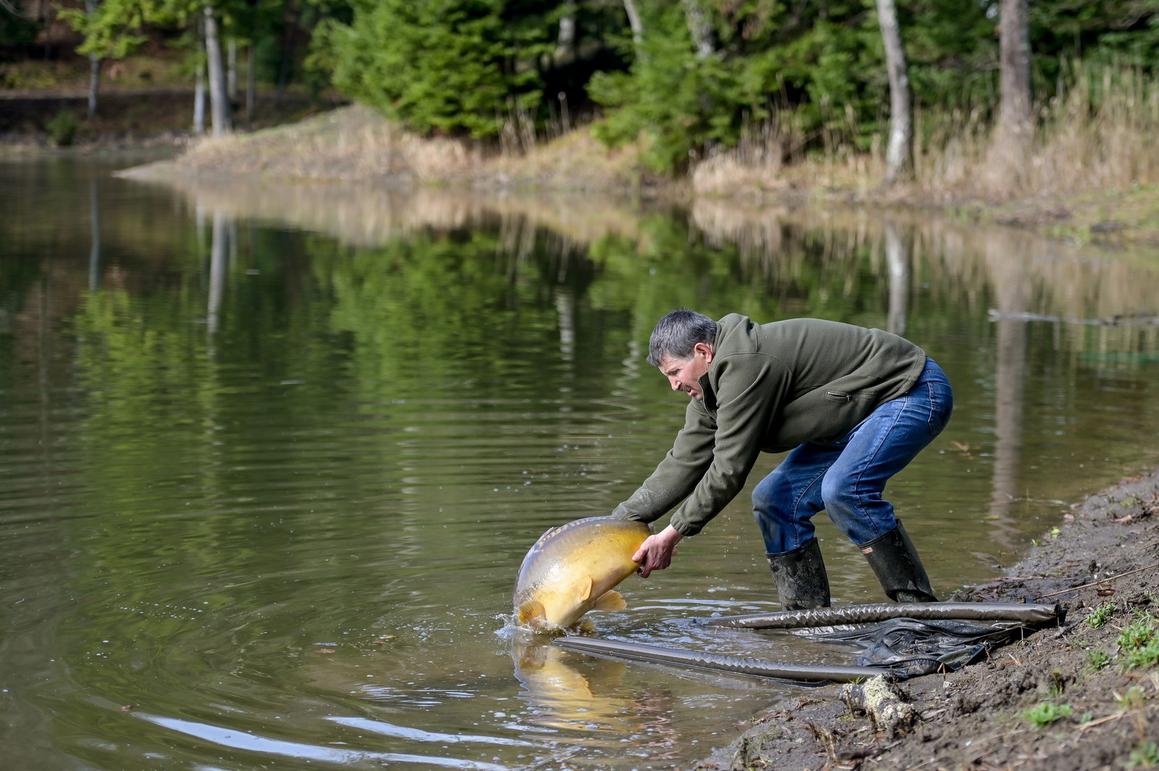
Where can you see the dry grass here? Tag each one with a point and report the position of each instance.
(1097, 135)
(574, 161)
(351, 144)
(357, 145)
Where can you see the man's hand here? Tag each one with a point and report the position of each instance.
(656, 551)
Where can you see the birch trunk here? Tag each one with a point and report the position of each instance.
(565, 39)
(218, 97)
(1014, 39)
(94, 67)
(634, 23)
(199, 101)
(899, 153)
(700, 27)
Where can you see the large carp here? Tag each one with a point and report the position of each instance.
(573, 568)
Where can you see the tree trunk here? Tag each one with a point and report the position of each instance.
(634, 22)
(1014, 38)
(565, 39)
(251, 83)
(94, 84)
(94, 67)
(199, 101)
(700, 27)
(231, 68)
(218, 97)
(899, 153)
(286, 65)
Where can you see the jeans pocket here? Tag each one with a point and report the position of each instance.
(941, 400)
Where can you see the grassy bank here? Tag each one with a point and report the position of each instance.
(1089, 173)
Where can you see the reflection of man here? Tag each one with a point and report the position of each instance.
(854, 405)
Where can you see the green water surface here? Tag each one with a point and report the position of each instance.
(270, 456)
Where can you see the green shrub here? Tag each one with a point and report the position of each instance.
(62, 128)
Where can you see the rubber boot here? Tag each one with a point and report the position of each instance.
(800, 577)
(898, 568)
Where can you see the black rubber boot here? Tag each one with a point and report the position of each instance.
(898, 568)
(800, 577)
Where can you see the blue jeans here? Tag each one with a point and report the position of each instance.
(846, 478)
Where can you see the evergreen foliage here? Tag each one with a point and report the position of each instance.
(818, 65)
(16, 32)
(453, 66)
(810, 71)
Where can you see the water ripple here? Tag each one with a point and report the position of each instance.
(415, 734)
(243, 740)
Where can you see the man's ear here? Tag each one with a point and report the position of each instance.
(705, 349)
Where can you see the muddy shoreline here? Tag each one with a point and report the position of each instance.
(1101, 706)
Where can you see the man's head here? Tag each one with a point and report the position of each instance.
(681, 346)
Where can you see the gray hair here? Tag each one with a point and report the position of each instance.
(677, 333)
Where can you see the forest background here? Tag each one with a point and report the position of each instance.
(945, 99)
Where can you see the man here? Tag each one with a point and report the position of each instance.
(854, 406)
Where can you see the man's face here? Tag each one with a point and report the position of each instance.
(684, 374)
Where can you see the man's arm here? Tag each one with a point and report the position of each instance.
(749, 396)
(679, 471)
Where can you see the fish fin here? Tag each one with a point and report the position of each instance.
(529, 611)
(610, 600)
(585, 588)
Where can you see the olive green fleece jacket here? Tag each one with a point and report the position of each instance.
(770, 387)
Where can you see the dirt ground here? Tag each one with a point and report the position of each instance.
(1102, 565)
(143, 117)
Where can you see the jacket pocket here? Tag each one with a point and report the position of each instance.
(838, 396)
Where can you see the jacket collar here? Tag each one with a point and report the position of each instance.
(704, 382)
(707, 390)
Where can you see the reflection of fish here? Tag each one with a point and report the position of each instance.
(572, 569)
(589, 696)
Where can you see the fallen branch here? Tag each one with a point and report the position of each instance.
(1100, 581)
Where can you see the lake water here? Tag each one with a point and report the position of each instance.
(270, 457)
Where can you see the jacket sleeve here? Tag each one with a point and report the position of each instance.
(678, 473)
(750, 391)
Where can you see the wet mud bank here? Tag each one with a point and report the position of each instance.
(1082, 696)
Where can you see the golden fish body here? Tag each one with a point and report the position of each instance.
(573, 568)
